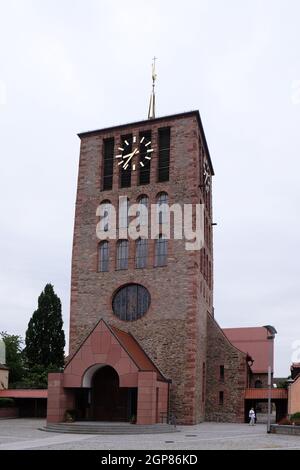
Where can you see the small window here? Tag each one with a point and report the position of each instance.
(221, 398)
(222, 373)
(122, 255)
(258, 384)
(161, 251)
(104, 257)
(108, 164)
(131, 302)
(164, 141)
(141, 253)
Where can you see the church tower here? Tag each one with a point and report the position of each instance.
(141, 301)
(154, 289)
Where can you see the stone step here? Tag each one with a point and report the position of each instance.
(109, 429)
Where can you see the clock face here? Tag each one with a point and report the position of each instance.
(207, 177)
(135, 154)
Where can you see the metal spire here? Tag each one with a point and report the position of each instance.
(151, 113)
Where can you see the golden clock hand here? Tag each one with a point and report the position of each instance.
(127, 155)
(126, 164)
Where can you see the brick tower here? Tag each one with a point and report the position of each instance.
(173, 287)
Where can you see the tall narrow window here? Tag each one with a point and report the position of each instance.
(108, 164)
(162, 208)
(141, 253)
(222, 373)
(103, 257)
(221, 398)
(106, 214)
(143, 202)
(161, 251)
(122, 254)
(164, 141)
(125, 180)
(145, 158)
(123, 213)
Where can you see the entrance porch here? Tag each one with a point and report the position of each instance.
(111, 379)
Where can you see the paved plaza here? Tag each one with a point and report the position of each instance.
(24, 434)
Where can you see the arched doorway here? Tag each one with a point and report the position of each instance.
(109, 401)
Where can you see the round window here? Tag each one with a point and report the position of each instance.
(131, 302)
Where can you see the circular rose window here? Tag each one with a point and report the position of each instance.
(131, 302)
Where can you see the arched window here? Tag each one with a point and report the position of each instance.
(161, 251)
(162, 208)
(143, 202)
(122, 254)
(258, 384)
(131, 302)
(141, 254)
(103, 257)
(106, 213)
(123, 213)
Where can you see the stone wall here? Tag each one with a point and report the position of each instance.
(220, 352)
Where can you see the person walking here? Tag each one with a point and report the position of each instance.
(252, 417)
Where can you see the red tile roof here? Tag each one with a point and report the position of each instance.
(255, 342)
(262, 393)
(10, 393)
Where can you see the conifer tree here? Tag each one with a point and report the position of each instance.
(45, 338)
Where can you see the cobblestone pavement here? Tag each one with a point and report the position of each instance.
(25, 434)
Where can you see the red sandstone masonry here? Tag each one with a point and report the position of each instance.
(173, 332)
(221, 352)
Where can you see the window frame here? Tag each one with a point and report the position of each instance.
(122, 302)
(122, 258)
(141, 257)
(103, 248)
(161, 257)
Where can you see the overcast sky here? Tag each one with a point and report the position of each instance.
(71, 65)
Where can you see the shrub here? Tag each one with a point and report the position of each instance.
(7, 402)
(296, 415)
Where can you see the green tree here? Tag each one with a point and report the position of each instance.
(14, 357)
(45, 338)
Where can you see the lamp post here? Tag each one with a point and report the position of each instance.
(271, 336)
